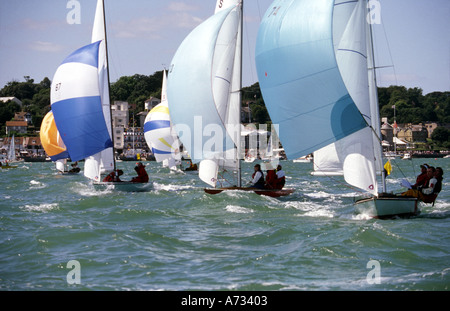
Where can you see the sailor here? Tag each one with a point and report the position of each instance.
(432, 187)
(423, 178)
(257, 178)
(142, 173)
(75, 168)
(192, 166)
(271, 179)
(113, 176)
(281, 178)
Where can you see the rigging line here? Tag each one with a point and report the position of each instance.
(248, 49)
(397, 166)
(389, 51)
(259, 10)
(222, 178)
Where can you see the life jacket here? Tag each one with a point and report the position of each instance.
(431, 197)
(260, 182)
(271, 179)
(438, 186)
(280, 183)
(109, 177)
(280, 180)
(421, 180)
(142, 175)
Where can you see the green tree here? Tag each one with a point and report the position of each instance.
(7, 111)
(440, 135)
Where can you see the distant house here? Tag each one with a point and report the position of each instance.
(141, 117)
(413, 133)
(16, 126)
(33, 144)
(14, 99)
(119, 111)
(387, 133)
(6, 141)
(150, 103)
(431, 126)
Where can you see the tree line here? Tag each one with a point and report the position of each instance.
(411, 106)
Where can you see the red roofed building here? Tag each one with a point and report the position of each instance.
(16, 126)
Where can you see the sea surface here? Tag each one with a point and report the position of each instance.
(58, 233)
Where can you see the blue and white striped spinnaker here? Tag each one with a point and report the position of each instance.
(77, 103)
(81, 104)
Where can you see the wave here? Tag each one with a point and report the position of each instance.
(45, 207)
(171, 187)
(238, 209)
(37, 184)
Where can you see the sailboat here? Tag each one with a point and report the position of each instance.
(81, 107)
(53, 144)
(316, 71)
(11, 156)
(159, 133)
(204, 97)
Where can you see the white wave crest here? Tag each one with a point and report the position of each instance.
(238, 209)
(45, 207)
(311, 209)
(34, 184)
(170, 187)
(87, 190)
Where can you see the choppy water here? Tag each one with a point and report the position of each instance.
(176, 237)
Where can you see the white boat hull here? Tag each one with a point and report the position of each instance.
(125, 186)
(384, 207)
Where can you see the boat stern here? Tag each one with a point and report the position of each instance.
(386, 206)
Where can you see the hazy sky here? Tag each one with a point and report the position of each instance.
(143, 35)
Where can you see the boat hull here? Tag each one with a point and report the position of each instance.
(37, 159)
(125, 186)
(8, 166)
(388, 207)
(266, 192)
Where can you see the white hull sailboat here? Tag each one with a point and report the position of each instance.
(81, 107)
(389, 206)
(206, 70)
(11, 156)
(316, 71)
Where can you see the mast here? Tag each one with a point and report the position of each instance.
(108, 84)
(373, 93)
(238, 147)
(395, 134)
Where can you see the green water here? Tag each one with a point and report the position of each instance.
(176, 237)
